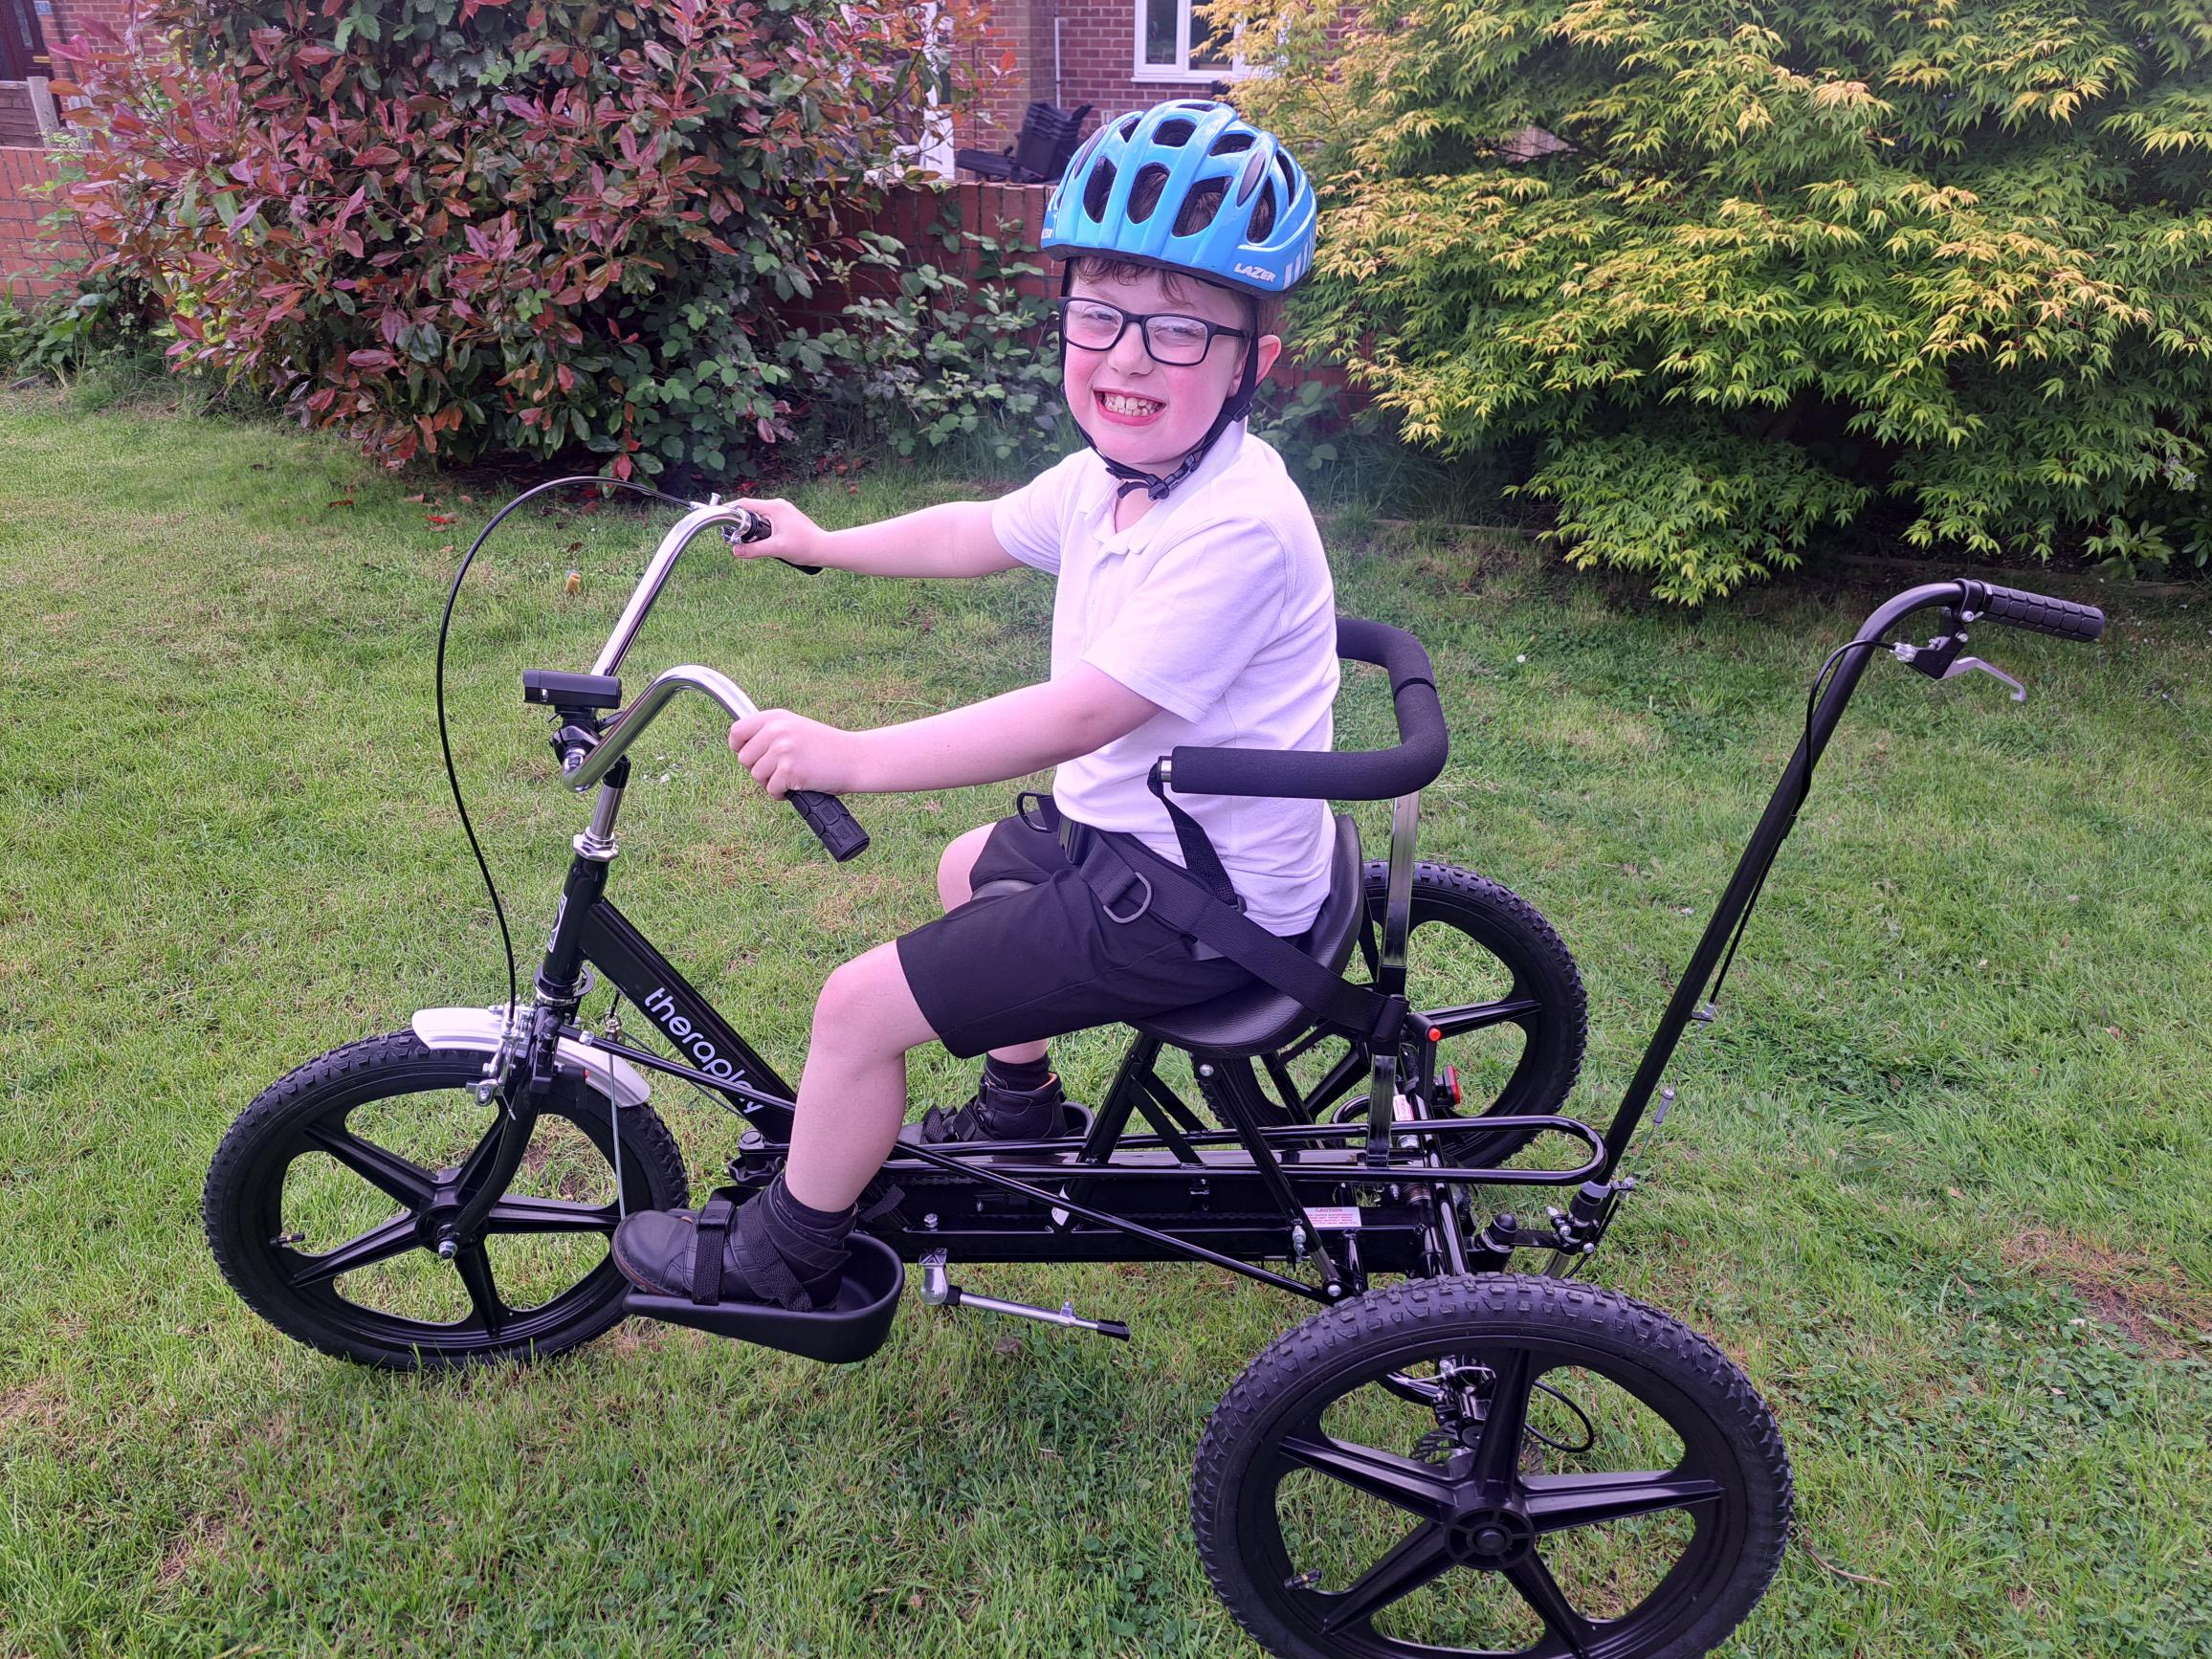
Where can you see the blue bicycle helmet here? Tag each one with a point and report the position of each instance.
(1190, 187)
(1219, 198)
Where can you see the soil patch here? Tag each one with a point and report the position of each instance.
(2149, 1301)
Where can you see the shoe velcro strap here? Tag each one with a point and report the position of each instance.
(761, 1264)
(709, 1231)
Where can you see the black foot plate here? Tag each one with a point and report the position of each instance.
(854, 1328)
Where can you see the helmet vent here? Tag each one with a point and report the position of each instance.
(1262, 218)
(1231, 142)
(1175, 133)
(1144, 192)
(1129, 125)
(1290, 179)
(1200, 208)
(1251, 176)
(1097, 188)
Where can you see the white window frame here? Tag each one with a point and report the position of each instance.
(1180, 73)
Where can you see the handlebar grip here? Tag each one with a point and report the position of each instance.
(833, 825)
(757, 528)
(2037, 613)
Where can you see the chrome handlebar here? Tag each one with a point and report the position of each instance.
(725, 515)
(825, 814)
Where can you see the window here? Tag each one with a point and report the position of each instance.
(1173, 45)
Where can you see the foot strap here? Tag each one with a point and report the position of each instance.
(753, 1253)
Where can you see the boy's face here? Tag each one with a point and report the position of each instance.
(1151, 414)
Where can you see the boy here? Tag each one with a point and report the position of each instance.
(1193, 606)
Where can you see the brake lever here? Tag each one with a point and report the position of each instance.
(1940, 660)
(1968, 664)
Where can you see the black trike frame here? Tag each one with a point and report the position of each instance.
(1348, 1198)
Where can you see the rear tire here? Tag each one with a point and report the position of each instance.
(1480, 949)
(324, 1221)
(1352, 1500)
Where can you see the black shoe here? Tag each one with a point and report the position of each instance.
(997, 1112)
(764, 1259)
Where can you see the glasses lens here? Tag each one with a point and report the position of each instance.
(1176, 339)
(1090, 325)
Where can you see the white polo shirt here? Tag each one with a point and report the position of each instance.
(1217, 605)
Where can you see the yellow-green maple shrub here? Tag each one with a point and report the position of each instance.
(1753, 273)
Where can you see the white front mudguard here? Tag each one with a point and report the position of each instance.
(479, 1028)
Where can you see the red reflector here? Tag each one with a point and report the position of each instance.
(1435, 1035)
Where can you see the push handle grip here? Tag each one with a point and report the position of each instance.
(2037, 613)
(833, 825)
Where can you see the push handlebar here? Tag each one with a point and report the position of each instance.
(1362, 775)
(2037, 613)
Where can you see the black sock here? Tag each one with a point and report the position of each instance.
(826, 1226)
(1022, 1077)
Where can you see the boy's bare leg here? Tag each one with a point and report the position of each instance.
(954, 890)
(852, 1091)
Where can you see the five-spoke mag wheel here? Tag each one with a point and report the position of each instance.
(1492, 980)
(326, 1199)
(1495, 1465)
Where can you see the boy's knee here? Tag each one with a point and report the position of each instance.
(866, 1006)
(956, 862)
(844, 1000)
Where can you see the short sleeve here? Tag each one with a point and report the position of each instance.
(1210, 601)
(1031, 522)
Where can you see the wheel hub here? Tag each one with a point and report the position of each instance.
(1490, 1536)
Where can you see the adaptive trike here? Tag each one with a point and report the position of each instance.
(1468, 1459)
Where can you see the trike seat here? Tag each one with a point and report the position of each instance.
(1259, 1017)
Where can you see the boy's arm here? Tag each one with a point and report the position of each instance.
(1006, 737)
(952, 540)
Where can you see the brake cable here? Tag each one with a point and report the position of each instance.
(1804, 791)
(445, 741)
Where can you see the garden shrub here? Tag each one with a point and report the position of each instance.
(461, 226)
(960, 366)
(1743, 276)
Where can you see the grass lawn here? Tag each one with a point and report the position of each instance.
(1936, 1179)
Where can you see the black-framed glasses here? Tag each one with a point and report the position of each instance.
(1178, 341)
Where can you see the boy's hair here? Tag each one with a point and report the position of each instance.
(1197, 212)
(1267, 311)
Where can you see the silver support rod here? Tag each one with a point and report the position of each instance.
(940, 1292)
(1390, 970)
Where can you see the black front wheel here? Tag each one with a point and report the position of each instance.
(1487, 1466)
(325, 1203)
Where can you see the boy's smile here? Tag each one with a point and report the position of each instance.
(1150, 414)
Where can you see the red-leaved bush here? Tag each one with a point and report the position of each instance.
(475, 225)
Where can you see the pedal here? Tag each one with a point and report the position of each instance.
(940, 1292)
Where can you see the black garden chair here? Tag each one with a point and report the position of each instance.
(1040, 151)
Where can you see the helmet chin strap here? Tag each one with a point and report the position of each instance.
(1234, 408)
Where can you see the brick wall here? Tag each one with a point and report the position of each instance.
(71, 16)
(28, 261)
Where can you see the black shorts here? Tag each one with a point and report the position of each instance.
(1014, 968)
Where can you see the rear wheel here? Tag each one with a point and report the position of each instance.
(1487, 1466)
(1483, 967)
(323, 1203)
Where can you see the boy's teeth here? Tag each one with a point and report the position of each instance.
(1129, 406)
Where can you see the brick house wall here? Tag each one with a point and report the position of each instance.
(1070, 53)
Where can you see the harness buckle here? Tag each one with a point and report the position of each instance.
(1136, 915)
